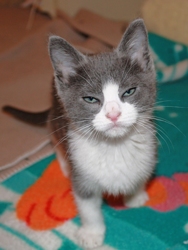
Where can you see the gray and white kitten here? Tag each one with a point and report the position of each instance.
(101, 118)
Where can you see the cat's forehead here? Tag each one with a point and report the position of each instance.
(111, 91)
(103, 60)
(107, 66)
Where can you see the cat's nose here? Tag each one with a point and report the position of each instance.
(113, 111)
(113, 116)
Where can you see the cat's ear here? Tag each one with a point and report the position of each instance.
(65, 58)
(134, 45)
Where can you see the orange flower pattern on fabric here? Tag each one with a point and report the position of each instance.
(49, 201)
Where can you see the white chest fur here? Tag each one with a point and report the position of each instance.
(115, 167)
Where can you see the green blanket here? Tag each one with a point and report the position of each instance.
(37, 210)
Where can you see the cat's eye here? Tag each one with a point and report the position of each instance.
(129, 92)
(91, 99)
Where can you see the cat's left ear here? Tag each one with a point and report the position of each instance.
(134, 45)
(64, 57)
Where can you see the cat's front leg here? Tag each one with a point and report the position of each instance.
(138, 199)
(91, 233)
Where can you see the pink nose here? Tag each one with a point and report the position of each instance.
(113, 116)
(112, 111)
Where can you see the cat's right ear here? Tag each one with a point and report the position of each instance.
(134, 45)
(64, 57)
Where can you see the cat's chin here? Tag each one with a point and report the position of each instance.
(112, 130)
(116, 132)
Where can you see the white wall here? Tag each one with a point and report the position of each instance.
(114, 9)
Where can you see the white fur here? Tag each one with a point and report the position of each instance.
(91, 234)
(117, 167)
(113, 105)
(138, 199)
(121, 162)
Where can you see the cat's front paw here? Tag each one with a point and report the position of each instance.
(90, 238)
(137, 200)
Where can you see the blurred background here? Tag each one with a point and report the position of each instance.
(117, 10)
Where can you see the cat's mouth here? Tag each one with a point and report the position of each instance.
(116, 129)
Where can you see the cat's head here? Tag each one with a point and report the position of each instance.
(106, 93)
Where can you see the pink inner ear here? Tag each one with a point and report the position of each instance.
(66, 70)
(138, 56)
